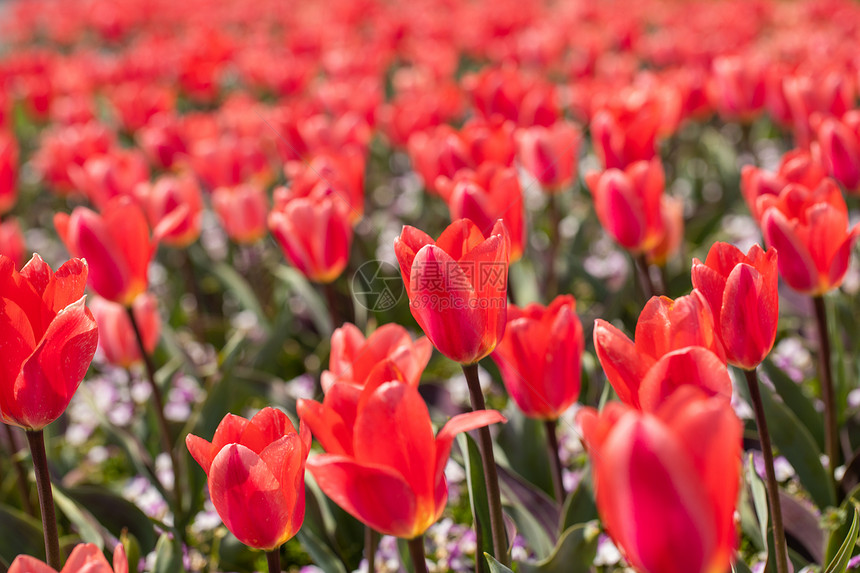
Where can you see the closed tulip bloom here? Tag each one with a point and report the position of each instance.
(242, 211)
(628, 204)
(394, 479)
(672, 212)
(550, 154)
(256, 476)
(85, 558)
(117, 245)
(113, 174)
(117, 338)
(175, 196)
(49, 337)
(484, 197)
(810, 229)
(625, 128)
(314, 234)
(839, 146)
(737, 87)
(8, 171)
(760, 187)
(742, 293)
(12, 242)
(336, 175)
(675, 340)
(540, 357)
(666, 482)
(353, 356)
(457, 286)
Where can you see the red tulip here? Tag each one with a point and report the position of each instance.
(164, 141)
(393, 479)
(741, 291)
(112, 174)
(340, 176)
(117, 245)
(674, 344)
(242, 211)
(177, 197)
(509, 94)
(491, 194)
(117, 337)
(628, 204)
(625, 129)
(85, 558)
(811, 232)
(49, 337)
(62, 147)
(667, 482)
(760, 187)
(12, 242)
(672, 212)
(540, 357)
(135, 103)
(550, 154)
(8, 171)
(457, 286)
(737, 88)
(353, 356)
(839, 146)
(315, 234)
(256, 476)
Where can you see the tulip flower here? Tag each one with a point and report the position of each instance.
(457, 286)
(741, 291)
(674, 344)
(838, 142)
(255, 471)
(163, 141)
(484, 197)
(315, 234)
(626, 126)
(50, 338)
(8, 171)
(64, 147)
(666, 482)
(672, 213)
(628, 204)
(393, 480)
(340, 176)
(242, 211)
(12, 242)
(509, 94)
(117, 337)
(550, 154)
(737, 88)
(178, 197)
(85, 558)
(760, 187)
(117, 245)
(353, 356)
(810, 230)
(113, 174)
(540, 357)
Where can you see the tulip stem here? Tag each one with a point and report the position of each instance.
(371, 540)
(158, 400)
(831, 431)
(20, 472)
(273, 558)
(416, 551)
(552, 250)
(36, 440)
(554, 460)
(332, 301)
(779, 543)
(643, 270)
(491, 477)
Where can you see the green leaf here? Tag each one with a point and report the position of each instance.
(87, 526)
(574, 553)
(495, 566)
(21, 535)
(841, 531)
(323, 556)
(579, 507)
(477, 494)
(168, 556)
(523, 440)
(239, 288)
(759, 497)
(840, 561)
(115, 514)
(297, 282)
(793, 396)
(740, 567)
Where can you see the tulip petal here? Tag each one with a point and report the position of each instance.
(120, 561)
(748, 328)
(87, 558)
(377, 496)
(286, 460)
(795, 262)
(201, 450)
(331, 432)
(459, 238)
(624, 366)
(27, 564)
(694, 365)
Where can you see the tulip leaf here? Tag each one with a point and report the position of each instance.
(574, 553)
(740, 567)
(759, 498)
(523, 440)
(542, 512)
(793, 396)
(21, 535)
(297, 282)
(579, 506)
(239, 288)
(168, 556)
(87, 526)
(840, 561)
(803, 525)
(495, 566)
(323, 556)
(842, 530)
(524, 284)
(115, 514)
(477, 494)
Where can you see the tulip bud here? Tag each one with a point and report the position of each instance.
(117, 338)
(242, 211)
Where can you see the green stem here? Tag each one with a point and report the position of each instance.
(491, 478)
(828, 396)
(416, 551)
(158, 403)
(20, 472)
(554, 460)
(552, 250)
(36, 440)
(273, 558)
(779, 543)
(643, 271)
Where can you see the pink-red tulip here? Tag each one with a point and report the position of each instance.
(666, 482)
(810, 229)
(550, 154)
(256, 476)
(672, 212)
(49, 336)
(737, 87)
(339, 176)
(109, 175)
(457, 286)
(393, 477)
(675, 344)
(242, 211)
(85, 558)
(117, 338)
(839, 146)
(625, 129)
(741, 290)
(176, 197)
(315, 234)
(760, 187)
(540, 357)
(8, 171)
(12, 242)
